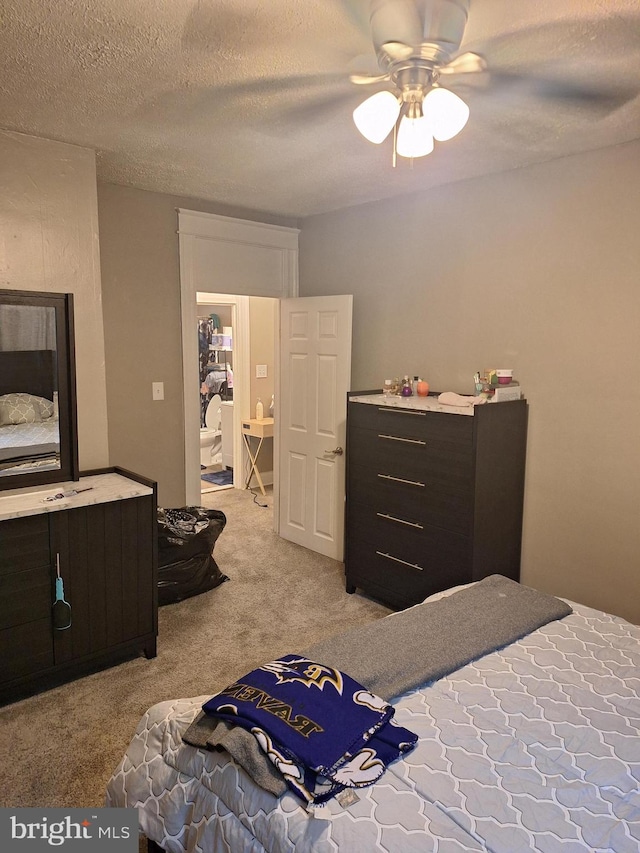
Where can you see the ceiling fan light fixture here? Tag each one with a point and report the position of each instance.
(447, 113)
(415, 137)
(376, 116)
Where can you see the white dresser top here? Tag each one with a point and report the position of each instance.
(425, 404)
(102, 488)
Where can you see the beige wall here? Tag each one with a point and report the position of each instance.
(49, 242)
(262, 320)
(535, 269)
(141, 296)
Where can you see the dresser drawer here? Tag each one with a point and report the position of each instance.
(428, 460)
(25, 649)
(438, 505)
(406, 569)
(25, 596)
(412, 423)
(24, 543)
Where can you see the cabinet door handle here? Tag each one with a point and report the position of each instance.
(393, 409)
(398, 560)
(407, 440)
(400, 520)
(401, 480)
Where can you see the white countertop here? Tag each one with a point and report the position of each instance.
(425, 404)
(103, 488)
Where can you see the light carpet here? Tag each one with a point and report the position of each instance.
(60, 747)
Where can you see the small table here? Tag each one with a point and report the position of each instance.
(259, 429)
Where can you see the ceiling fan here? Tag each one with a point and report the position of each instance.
(416, 44)
(417, 48)
(416, 67)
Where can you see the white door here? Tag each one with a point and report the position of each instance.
(315, 375)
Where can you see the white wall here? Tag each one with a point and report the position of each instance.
(49, 242)
(536, 269)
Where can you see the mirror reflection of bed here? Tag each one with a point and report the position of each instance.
(29, 426)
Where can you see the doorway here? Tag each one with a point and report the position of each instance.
(243, 368)
(216, 381)
(221, 253)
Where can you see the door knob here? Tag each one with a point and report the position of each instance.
(337, 452)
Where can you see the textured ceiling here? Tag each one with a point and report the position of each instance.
(248, 102)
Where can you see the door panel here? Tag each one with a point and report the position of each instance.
(315, 358)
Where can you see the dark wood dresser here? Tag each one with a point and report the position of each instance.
(434, 494)
(105, 541)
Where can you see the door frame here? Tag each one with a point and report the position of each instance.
(242, 274)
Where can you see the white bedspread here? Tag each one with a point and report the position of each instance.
(533, 747)
(19, 440)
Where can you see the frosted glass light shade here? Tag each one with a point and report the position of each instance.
(447, 113)
(375, 117)
(415, 137)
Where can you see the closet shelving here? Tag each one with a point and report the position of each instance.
(216, 365)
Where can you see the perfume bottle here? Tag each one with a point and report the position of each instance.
(406, 390)
(422, 388)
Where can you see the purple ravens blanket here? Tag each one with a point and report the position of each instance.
(320, 728)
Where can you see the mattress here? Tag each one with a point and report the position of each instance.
(531, 747)
(28, 441)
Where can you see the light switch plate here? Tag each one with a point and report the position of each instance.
(261, 371)
(157, 390)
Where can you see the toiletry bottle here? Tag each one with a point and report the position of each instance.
(259, 410)
(422, 388)
(406, 387)
(272, 406)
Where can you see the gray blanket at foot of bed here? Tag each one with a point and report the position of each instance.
(401, 652)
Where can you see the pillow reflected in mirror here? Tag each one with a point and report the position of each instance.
(21, 408)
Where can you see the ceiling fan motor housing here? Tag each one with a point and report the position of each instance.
(434, 26)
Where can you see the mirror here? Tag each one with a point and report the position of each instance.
(38, 431)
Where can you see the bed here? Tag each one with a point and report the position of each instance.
(533, 745)
(29, 428)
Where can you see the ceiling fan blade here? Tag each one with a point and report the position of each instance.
(364, 70)
(247, 98)
(367, 79)
(582, 40)
(601, 96)
(398, 50)
(214, 29)
(574, 62)
(319, 108)
(465, 63)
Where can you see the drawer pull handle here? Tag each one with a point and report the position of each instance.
(400, 520)
(407, 440)
(401, 411)
(401, 480)
(398, 560)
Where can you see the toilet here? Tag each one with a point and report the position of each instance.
(211, 434)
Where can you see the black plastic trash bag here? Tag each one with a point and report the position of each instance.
(186, 538)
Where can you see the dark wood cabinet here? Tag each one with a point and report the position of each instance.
(434, 498)
(107, 553)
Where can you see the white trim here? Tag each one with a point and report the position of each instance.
(231, 234)
(225, 228)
